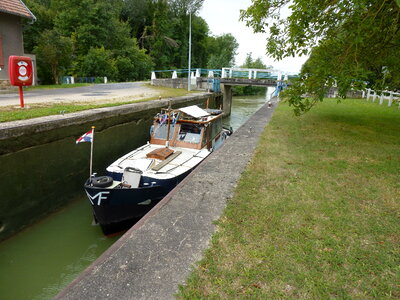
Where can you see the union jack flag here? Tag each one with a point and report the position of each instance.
(87, 137)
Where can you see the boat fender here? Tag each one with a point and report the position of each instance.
(102, 181)
(229, 130)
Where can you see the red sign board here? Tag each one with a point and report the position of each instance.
(20, 70)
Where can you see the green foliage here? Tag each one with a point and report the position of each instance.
(350, 42)
(98, 63)
(223, 50)
(134, 36)
(54, 55)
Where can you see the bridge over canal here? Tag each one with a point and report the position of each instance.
(222, 80)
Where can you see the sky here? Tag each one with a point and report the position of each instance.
(222, 16)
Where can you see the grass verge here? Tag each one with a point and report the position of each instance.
(315, 215)
(55, 86)
(13, 113)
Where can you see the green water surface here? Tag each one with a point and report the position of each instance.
(38, 262)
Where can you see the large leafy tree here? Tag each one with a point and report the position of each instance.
(350, 42)
(223, 51)
(54, 55)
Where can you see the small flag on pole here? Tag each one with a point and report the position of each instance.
(87, 137)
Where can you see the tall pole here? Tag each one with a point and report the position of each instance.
(190, 49)
(91, 153)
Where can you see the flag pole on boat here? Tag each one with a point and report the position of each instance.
(88, 137)
(91, 153)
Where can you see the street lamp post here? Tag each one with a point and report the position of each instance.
(190, 49)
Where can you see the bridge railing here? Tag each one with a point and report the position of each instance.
(181, 73)
(222, 73)
(248, 73)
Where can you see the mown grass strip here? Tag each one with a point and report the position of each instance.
(55, 86)
(316, 214)
(13, 113)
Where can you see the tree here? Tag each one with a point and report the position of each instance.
(350, 42)
(54, 54)
(98, 63)
(132, 63)
(223, 51)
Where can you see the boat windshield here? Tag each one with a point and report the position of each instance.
(160, 131)
(190, 133)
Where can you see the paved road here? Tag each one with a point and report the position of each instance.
(98, 93)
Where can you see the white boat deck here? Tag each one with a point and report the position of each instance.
(188, 159)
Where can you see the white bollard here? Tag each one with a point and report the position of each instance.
(174, 75)
(198, 73)
(105, 79)
(72, 80)
(192, 79)
(368, 94)
(153, 77)
(255, 74)
(363, 94)
(381, 99)
(250, 74)
(374, 97)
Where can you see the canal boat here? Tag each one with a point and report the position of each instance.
(180, 139)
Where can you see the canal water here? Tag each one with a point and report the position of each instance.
(40, 261)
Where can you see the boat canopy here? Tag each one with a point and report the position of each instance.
(194, 111)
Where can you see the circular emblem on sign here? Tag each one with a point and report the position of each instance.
(22, 70)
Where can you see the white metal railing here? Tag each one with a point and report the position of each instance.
(250, 73)
(383, 95)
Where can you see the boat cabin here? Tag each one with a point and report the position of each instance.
(189, 127)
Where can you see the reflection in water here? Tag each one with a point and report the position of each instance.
(38, 262)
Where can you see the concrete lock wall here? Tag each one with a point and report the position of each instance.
(42, 167)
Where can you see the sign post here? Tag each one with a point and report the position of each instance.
(20, 70)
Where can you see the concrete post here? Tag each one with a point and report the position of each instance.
(374, 97)
(193, 79)
(381, 99)
(198, 73)
(211, 74)
(255, 74)
(72, 79)
(390, 99)
(223, 73)
(368, 94)
(250, 74)
(363, 94)
(174, 75)
(153, 77)
(227, 99)
(105, 79)
(230, 73)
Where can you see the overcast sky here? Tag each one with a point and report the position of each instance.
(222, 16)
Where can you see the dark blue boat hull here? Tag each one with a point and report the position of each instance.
(118, 209)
